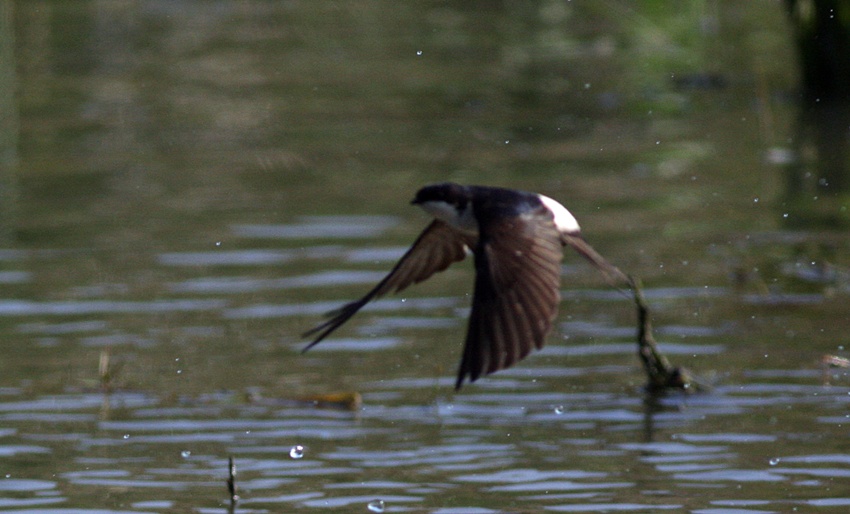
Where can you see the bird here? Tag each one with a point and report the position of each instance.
(516, 239)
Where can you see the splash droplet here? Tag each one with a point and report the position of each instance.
(296, 452)
(376, 506)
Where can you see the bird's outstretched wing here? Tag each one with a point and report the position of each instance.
(437, 247)
(517, 292)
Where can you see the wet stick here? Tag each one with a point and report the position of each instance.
(231, 483)
(660, 373)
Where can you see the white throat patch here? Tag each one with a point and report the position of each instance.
(463, 220)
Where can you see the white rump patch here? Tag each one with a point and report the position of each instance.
(564, 220)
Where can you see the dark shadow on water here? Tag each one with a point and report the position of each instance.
(8, 128)
(817, 185)
(818, 177)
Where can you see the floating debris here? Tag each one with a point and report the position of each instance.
(349, 401)
(296, 452)
(376, 506)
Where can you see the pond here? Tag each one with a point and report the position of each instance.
(189, 186)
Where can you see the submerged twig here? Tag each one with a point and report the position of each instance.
(662, 375)
(231, 483)
(107, 370)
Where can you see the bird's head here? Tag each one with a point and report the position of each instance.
(447, 202)
(446, 192)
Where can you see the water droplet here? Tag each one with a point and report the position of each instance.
(376, 506)
(559, 410)
(185, 454)
(774, 461)
(296, 452)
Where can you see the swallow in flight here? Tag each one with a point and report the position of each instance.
(517, 241)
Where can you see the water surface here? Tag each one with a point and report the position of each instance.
(192, 184)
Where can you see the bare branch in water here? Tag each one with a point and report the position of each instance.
(231, 484)
(661, 374)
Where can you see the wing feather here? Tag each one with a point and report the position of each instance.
(517, 292)
(436, 248)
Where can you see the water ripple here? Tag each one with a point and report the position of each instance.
(344, 501)
(320, 227)
(19, 484)
(225, 258)
(620, 507)
(239, 285)
(574, 350)
(319, 308)
(731, 475)
(559, 485)
(30, 308)
(368, 344)
(520, 475)
(15, 277)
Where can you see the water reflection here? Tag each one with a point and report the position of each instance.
(482, 442)
(29, 308)
(320, 227)
(477, 448)
(9, 129)
(225, 258)
(169, 156)
(817, 178)
(319, 308)
(241, 285)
